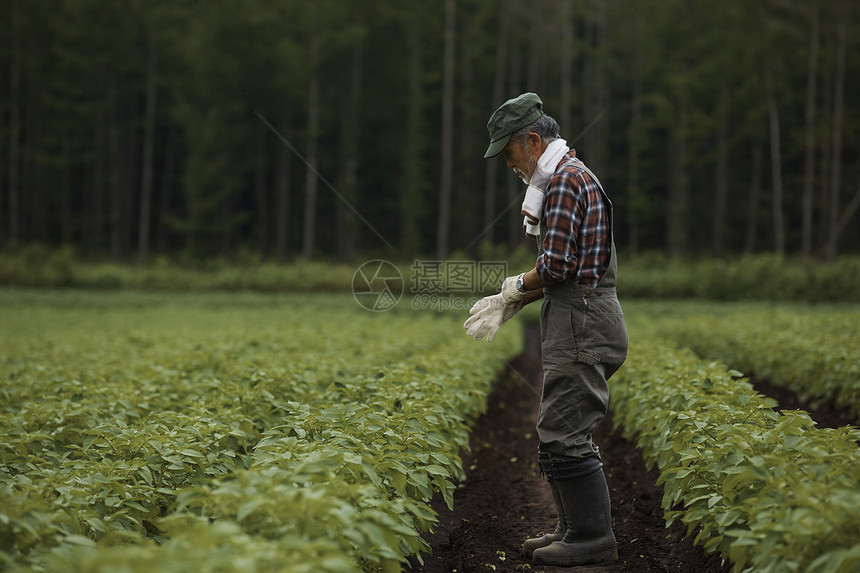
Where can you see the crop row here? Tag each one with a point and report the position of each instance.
(814, 353)
(283, 437)
(769, 491)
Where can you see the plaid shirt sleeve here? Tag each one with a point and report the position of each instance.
(578, 240)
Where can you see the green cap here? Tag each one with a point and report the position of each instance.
(512, 116)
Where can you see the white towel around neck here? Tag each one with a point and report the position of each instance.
(533, 203)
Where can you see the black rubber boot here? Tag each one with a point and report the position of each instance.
(537, 542)
(585, 499)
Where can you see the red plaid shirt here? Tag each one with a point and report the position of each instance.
(578, 238)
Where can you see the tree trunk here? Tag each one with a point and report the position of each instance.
(600, 150)
(678, 224)
(14, 126)
(634, 149)
(535, 62)
(492, 166)
(225, 225)
(350, 130)
(39, 222)
(146, 183)
(4, 232)
(588, 111)
(285, 162)
(595, 90)
(721, 176)
(848, 213)
(311, 182)
(752, 204)
(634, 200)
(466, 205)
(821, 232)
(412, 199)
(513, 192)
(96, 202)
(836, 156)
(168, 183)
(130, 175)
(809, 169)
(775, 169)
(262, 199)
(442, 229)
(114, 189)
(64, 174)
(566, 79)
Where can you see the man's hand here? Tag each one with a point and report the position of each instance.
(488, 314)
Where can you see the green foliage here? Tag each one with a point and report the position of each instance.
(220, 547)
(759, 277)
(813, 352)
(38, 267)
(90, 86)
(769, 491)
(652, 276)
(45, 268)
(228, 433)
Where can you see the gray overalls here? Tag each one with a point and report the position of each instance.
(583, 342)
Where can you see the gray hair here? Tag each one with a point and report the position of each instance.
(545, 126)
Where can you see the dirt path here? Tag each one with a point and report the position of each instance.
(503, 501)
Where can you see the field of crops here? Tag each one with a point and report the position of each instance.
(248, 432)
(228, 432)
(815, 353)
(767, 489)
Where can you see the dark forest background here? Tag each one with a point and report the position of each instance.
(136, 128)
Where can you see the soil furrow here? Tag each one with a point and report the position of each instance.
(503, 501)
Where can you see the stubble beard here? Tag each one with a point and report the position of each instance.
(526, 177)
(522, 175)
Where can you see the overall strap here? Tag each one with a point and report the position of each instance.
(608, 278)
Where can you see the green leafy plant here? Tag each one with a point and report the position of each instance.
(141, 431)
(769, 491)
(814, 352)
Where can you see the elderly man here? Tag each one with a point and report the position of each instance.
(583, 333)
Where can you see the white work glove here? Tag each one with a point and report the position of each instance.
(510, 292)
(488, 314)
